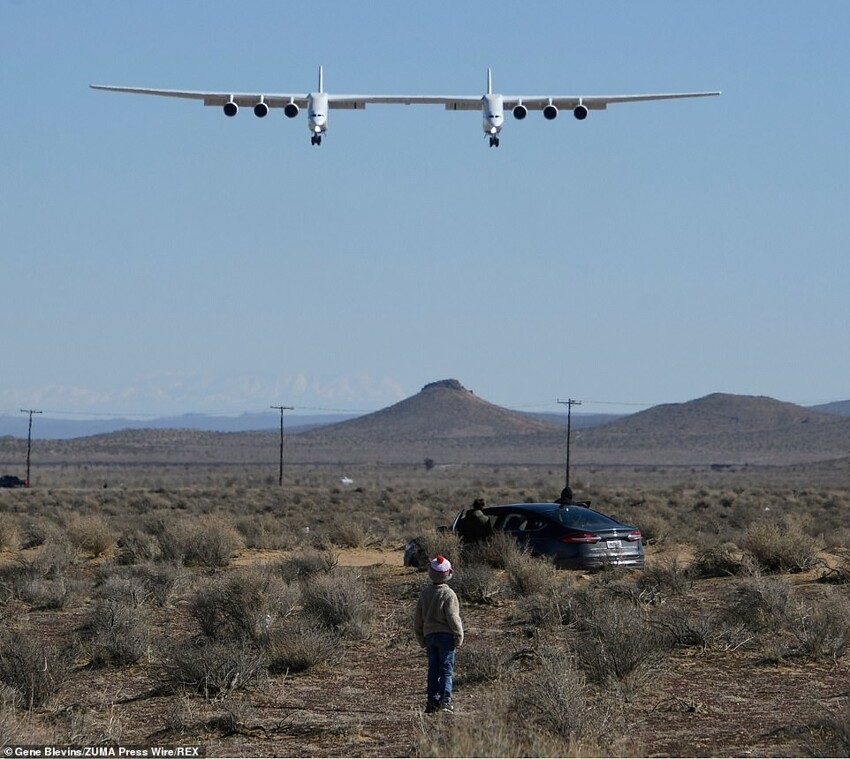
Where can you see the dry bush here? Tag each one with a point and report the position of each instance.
(213, 669)
(205, 542)
(476, 583)
(441, 543)
(91, 534)
(555, 699)
(33, 667)
(822, 629)
(528, 575)
(830, 736)
(10, 535)
(299, 646)
(117, 631)
(479, 664)
(721, 561)
(340, 601)
(779, 547)
(307, 563)
(243, 605)
(137, 546)
(616, 644)
(499, 551)
(662, 579)
(349, 533)
(761, 604)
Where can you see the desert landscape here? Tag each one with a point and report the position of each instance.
(158, 588)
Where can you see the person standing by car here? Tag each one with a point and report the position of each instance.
(439, 630)
(475, 524)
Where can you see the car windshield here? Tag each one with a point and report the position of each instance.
(579, 517)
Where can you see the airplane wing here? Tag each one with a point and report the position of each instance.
(247, 99)
(593, 102)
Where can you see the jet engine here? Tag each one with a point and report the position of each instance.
(261, 110)
(291, 110)
(580, 112)
(520, 111)
(230, 108)
(550, 112)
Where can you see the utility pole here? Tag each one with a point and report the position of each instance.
(29, 411)
(280, 471)
(569, 403)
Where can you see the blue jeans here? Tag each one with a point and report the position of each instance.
(440, 648)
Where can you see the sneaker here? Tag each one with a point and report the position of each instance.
(431, 707)
(446, 706)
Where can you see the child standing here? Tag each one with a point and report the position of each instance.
(439, 630)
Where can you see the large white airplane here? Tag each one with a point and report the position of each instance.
(492, 105)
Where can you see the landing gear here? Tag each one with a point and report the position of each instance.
(494, 142)
(316, 139)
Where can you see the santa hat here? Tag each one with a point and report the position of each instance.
(440, 569)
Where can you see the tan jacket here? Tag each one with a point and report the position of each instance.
(437, 610)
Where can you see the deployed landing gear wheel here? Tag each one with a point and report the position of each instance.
(494, 142)
(316, 139)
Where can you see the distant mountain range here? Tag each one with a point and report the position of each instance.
(451, 425)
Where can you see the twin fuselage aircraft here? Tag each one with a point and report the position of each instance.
(492, 105)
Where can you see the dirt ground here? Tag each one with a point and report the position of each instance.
(699, 703)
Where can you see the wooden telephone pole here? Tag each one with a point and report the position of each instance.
(569, 404)
(29, 411)
(280, 470)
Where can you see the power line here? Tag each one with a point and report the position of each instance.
(569, 404)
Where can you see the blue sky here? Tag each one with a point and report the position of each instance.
(160, 258)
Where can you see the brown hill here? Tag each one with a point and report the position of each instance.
(720, 428)
(451, 425)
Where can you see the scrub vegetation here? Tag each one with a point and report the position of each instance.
(266, 620)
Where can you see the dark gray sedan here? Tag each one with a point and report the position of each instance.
(573, 535)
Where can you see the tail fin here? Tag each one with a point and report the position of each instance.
(489, 82)
(321, 80)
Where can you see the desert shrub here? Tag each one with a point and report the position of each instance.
(830, 735)
(36, 532)
(822, 630)
(481, 664)
(33, 667)
(615, 643)
(306, 563)
(242, 605)
(10, 535)
(211, 543)
(349, 533)
(136, 546)
(441, 543)
(497, 731)
(529, 574)
(51, 560)
(690, 628)
(91, 534)
(116, 632)
(211, 668)
(780, 547)
(476, 584)
(341, 602)
(498, 551)
(207, 542)
(555, 698)
(664, 578)
(720, 561)
(653, 528)
(300, 646)
(760, 604)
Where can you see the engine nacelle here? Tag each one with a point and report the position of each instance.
(261, 110)
(520, 111)
(290, 110)
(230, 109)
(550, 112)
(580, 112)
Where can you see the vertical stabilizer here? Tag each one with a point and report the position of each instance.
(489, 82)
(321, 80)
